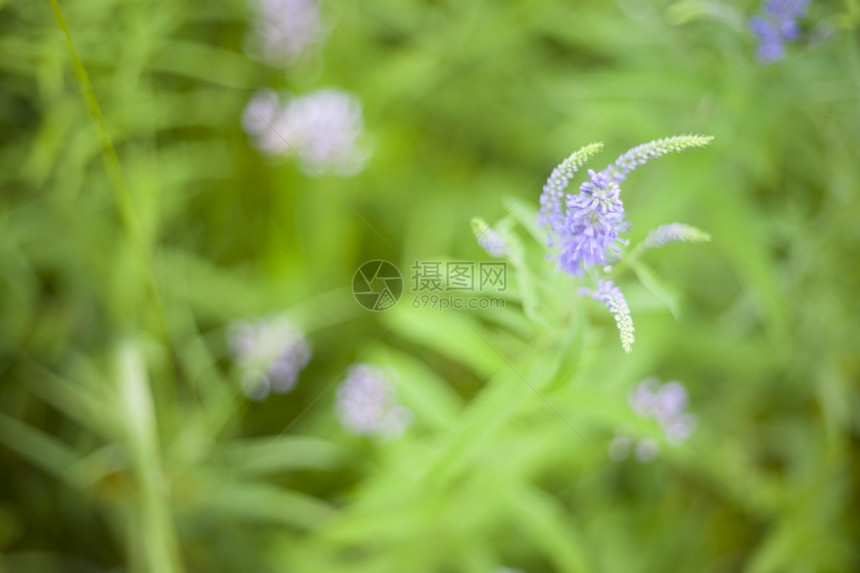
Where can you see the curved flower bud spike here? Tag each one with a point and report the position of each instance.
(551, 211)
(641, 154)
(612, 298)
(673, 233)
(489, 239)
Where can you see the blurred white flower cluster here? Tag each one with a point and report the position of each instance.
(322, 129)
(284, 31)
(665, 403)
(368, 405)
(270, 353)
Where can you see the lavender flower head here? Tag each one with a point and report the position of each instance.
(367, 404)
(777, 25)
(285, 30)
(667, 404)
(270, 354)
(590, 232)
(674, 232)
(489, 239)
(587, 226)
(322, 129)
(610, 296)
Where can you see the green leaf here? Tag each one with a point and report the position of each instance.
(39, 448)
(266, 503)
(264, 456)
(650, 281)
(546, 522)
(455, 335)
(426, 393)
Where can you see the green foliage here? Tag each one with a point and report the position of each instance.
(138, 222)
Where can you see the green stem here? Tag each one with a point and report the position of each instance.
(122, 195)
(121, 192)
(159, 545)
(628, 259)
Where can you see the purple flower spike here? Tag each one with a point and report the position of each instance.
(552, 199)
(612, 298)
(587, 226)
(590, 232)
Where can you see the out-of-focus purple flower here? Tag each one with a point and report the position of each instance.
(322, 129)
(367, 404)
(665, 403)
(647, 449)
(285, 30)
(777, 25)
(679, 428)
(641, 398)
(670, 401)
(270, 353)
(489, 239)
(612, 298)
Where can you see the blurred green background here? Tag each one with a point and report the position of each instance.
(126, 443)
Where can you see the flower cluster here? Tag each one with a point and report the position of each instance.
(666, 403)
(552, 199)
(592, 227)
(285, 30)
(321, 128)
(489, 239)
(777, 25)
(367, 404)
(612, 298)
(270, 353)
(673, 233)
(587, 226)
